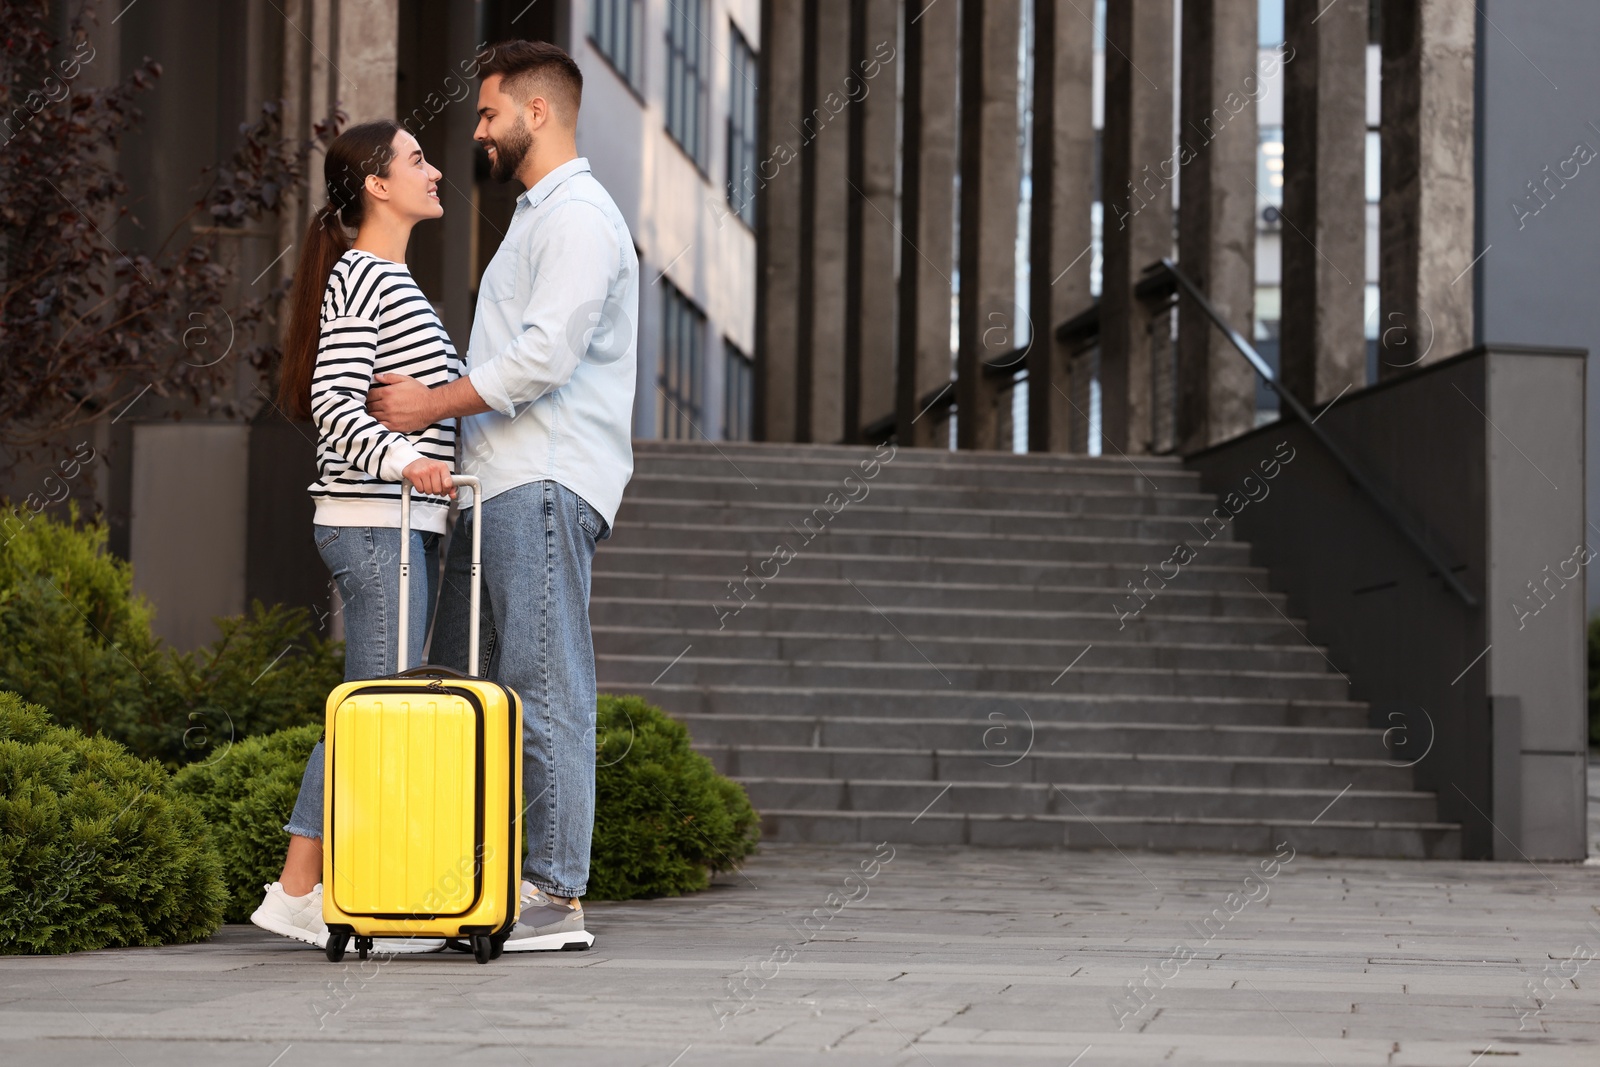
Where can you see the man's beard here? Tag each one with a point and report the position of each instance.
(510, 151)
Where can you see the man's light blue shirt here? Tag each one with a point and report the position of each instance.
(553, 346)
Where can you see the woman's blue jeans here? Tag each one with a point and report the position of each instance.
(365, 562)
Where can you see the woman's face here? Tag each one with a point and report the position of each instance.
(412, 184)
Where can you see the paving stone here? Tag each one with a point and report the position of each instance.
(954, 955)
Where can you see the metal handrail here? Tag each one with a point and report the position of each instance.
(1288, 399)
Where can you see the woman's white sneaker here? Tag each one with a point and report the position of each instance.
(301, 919)
(296, 917)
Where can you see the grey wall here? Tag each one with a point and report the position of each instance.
(1538, 545)
(1439, 442)
(1538, 92)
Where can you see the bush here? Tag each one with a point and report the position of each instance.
(664, 818)
(266, 672)
(75, 638)
(246, 797)
(96, 851)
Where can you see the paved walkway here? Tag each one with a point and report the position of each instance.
(944, 956)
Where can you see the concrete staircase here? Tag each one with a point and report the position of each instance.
(938, 655)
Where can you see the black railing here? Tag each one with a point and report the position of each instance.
(1288, 402)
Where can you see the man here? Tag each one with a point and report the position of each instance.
(546, 409)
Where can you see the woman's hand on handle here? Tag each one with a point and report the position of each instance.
(430, 476)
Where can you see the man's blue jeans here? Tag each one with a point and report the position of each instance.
(365, 562)
(538, 546)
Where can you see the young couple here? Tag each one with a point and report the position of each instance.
(545, 403)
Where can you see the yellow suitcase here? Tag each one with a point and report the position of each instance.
(422, 812)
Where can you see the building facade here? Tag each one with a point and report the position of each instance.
(668, 123)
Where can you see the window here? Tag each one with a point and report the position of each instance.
(683, 331)
(1374, 160)
(1269, 24)
(686, 87)
(738, 392)
(1269, 167)
(617, 29)
(741, 127)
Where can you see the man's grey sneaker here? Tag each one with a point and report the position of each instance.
(301, 919)
(541, 917)
(542, 926)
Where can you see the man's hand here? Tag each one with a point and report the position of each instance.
(406, 405)
(402, 404)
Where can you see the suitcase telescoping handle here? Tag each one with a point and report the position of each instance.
(405, 572)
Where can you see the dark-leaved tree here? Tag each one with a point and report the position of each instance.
(86, 326)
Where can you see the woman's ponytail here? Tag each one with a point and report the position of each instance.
(353, 155)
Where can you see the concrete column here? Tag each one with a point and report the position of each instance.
(1217, 145)
(1138, 169)
(778, 190)
(927, 205)
(869, 393)
(1063, 192)
(368, 35)
(460, 223)
(436, 101)
(310, 87)
(824, 220)
(1426, 214)
(991, 169)
(1323, 344)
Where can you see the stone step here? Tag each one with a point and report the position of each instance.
(762, 471)
(765, 536)
(1329, 837)
(1082, 798)
(819, 518)
(625, 670)
(994, 622)
(647, 451)
(1006, 763)
(945, 648)
(937, 733)
(804, 493)
(1009, 711)
(890, 647)
(731, 564)
(1112, 604)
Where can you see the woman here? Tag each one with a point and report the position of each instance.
(355, 313)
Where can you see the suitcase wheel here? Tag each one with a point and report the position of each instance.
(363, 946)
(483, 948)
(497, 944)
(336, 946)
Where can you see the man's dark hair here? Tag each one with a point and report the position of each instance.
(531, 68)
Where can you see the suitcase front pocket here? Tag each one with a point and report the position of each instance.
(406, 792)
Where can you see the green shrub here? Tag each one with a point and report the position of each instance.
(246, 796)
(75, 638)
(266, 672)
(664, 818)
(96, 851)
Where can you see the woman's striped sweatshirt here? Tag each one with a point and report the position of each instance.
(375, 320)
